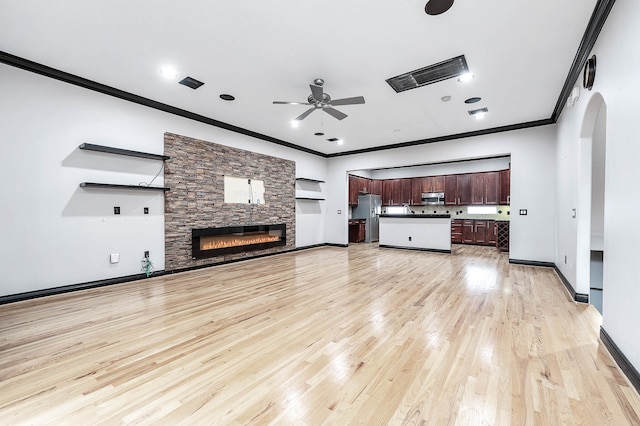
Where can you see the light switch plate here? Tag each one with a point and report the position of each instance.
(523, 212)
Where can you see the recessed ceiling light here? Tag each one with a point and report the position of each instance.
(226, 97)
(319, 134)
(340, 142)
(294, 123)
(465, 77)
(445, 98)
(436, 7)
(480, 115)
(472, 100)
(168, 72)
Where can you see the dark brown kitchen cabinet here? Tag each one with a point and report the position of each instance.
(474, 231)
(480, 232)
(492, 233)
(405, 191)
(505, 187)
(433, 184)
(491, 188)
(376, 187)
(485, 188)
(358, 185)
(353, 190)
(417, 188)
(477, 188)
(391, 192)
(464, 189)
(456, 231)
(357, 230)
(468, 231)
(451, 190)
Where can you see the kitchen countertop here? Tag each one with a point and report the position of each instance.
(417, 216)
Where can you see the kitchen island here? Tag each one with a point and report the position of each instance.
(431, 232)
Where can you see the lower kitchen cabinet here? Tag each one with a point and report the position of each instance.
(468, 232)
(357, 230)
(473, 231)
(456, 231)
(492, 233)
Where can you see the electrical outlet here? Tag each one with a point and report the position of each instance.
(146, 254)
(409, 238)
(116, 210)
(114, 258)
(523, 212)
(146, 210)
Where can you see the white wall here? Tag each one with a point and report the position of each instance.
(532, 182)
(473, 166)
(618, 60)
(56, 234)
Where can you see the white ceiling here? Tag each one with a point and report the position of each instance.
(260, 51)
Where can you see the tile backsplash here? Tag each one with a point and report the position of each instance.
(460, 212)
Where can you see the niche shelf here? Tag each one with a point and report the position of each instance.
(301, 179)
(120, 151)
(117, 186)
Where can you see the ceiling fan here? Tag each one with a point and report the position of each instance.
(321, 100)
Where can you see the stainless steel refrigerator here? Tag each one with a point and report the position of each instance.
(369, 208)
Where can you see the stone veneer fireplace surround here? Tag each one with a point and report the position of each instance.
(195, 173)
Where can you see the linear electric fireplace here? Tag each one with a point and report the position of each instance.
(211, 242)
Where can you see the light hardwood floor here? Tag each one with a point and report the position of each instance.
(356, 335)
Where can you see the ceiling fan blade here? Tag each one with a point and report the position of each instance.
(317, 92)
(290, 103)
(334, 112)
(348, 101)
(304, 114)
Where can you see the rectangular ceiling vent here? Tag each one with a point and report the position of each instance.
(450, 68)
(191, 82)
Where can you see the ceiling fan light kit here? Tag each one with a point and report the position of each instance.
(318, 99)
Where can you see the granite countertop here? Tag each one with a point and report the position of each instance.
(419, 216)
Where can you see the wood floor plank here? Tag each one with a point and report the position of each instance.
(357, 335)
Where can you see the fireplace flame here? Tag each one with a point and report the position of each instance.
(226, 241)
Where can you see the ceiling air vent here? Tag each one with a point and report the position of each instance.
(450, 68)
(191, 82)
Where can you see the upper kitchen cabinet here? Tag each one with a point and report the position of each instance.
(457, 190)
(357, 186)
(417, 188)
(464, 189)
(485, 188)
(376, 187)
(505, 186)
(477, 189)
(405, 191)
(396, 192)
(391, 188)
(353, 190)
(491, 188)
(451, 190)
(433, 184)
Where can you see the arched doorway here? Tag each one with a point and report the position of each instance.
(591, 232)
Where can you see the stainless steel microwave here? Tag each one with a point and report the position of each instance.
(431, 198)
